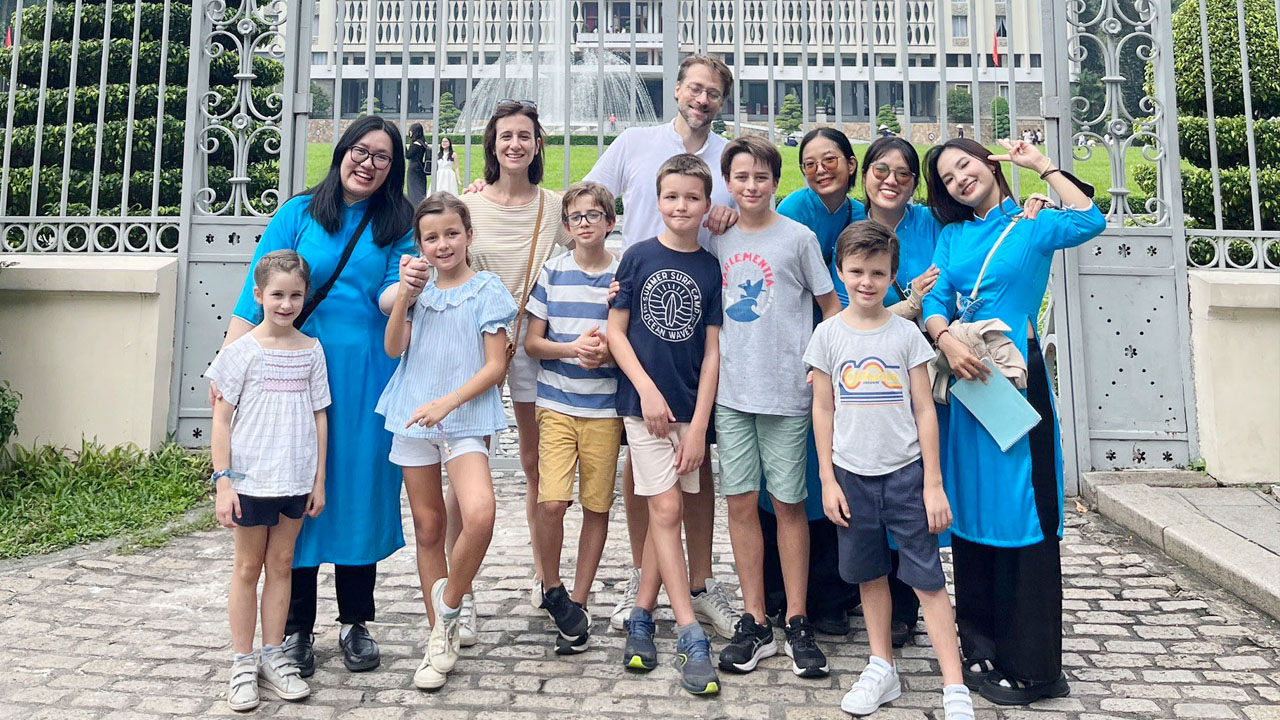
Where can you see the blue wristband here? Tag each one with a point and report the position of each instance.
(213, 479)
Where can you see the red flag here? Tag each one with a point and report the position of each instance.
(8, 37)
(999, 32)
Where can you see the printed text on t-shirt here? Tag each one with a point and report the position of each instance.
(869, 381)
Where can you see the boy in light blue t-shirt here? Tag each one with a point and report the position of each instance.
(578, 425)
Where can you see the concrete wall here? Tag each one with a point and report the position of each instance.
(88, 341)
(1235, 338)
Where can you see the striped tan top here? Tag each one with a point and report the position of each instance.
(503, 233)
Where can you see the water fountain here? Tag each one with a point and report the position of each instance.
(585, 114)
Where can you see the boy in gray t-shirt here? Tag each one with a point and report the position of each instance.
(772, 270)
(877, 435)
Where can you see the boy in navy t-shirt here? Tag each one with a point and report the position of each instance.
(664, 334)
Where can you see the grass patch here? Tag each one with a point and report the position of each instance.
(52, 498)
(1095, 171)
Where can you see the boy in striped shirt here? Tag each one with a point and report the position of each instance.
(578, 425)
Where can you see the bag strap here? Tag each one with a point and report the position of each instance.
(982, 273)
(323, 291)
(528, 270)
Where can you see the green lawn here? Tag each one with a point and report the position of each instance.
(1096, 170)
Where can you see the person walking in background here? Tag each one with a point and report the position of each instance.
(418, 153)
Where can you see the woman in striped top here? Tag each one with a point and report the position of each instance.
(441, 404)
(517, 227)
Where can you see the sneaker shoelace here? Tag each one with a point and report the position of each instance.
(699, 650)
(802, 638)
(633, 586)
(641, 629)
(720, 601)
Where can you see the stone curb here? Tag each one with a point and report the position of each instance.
(1242, 567)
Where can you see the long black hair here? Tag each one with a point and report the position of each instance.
(946, 208)
(883, 146)
(416, 133)
(391, 211)
(842, 144)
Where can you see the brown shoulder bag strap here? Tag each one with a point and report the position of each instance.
(528, 271)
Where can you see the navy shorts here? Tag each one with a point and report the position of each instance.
(893, 503)
(266, 511)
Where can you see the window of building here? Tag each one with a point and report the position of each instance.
(1035, 60)
(790, 59)
(959, 26)
(319, 58)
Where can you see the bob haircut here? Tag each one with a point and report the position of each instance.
(883, 146)
(946, 208)
(687, 165)
(491, 169)
(275, 262)
(758, 148)
(390, 210)
(597, 192)
(715, 64)
(867, 237)
(842, 144)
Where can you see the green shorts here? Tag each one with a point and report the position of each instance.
(754, 446)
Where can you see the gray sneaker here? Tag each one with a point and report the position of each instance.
(279, 675)
(242, 690)
(693, 657)
(714, 608)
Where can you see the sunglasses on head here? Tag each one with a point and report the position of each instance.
(526, 104)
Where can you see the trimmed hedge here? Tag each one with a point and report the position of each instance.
(222, 69)
(25, 103)
(93, 17)
(1232, 141)
(1237, 198)
(1224, 61)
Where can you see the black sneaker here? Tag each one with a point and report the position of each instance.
(751, 643)
(573, 646)
(298, 648)
(571, 620)
(640, 653)
(807, 659)
(899, 633)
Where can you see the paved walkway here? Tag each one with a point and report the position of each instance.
(90, 635)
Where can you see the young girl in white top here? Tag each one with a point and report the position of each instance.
(440, 404)
(268, 445)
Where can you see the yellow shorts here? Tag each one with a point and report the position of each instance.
(588, 444)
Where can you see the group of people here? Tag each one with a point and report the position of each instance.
(799, 340)
(422, 173)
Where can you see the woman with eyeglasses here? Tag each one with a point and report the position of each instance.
(352, 229)
(446, 175)
(517, 227)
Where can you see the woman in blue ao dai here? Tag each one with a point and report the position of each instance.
(1007, 506)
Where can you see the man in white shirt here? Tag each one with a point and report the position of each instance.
(629, 168)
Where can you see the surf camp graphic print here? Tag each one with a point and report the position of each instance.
(869, 381)
(748, 282)
(671, 305)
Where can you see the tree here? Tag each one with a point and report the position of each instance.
(888, 118)
(448, 112)
(959, 105)
(789, 117)
(1000, 117)
(717, 126)
(321, 103)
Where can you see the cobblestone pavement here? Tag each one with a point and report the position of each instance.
(95, 634)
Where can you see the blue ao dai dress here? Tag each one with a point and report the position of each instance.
(360, 524)
(992, 499)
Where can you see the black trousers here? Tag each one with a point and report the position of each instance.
(1009, 600)
(353, 585)
(828, 593)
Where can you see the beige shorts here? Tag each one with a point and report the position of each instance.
(587, 445)
(653, 459)
(522, 377)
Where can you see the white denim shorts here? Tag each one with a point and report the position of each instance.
(421, 452)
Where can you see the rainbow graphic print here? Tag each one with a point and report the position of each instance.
(869, 381)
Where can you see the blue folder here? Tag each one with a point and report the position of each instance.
(998, 405)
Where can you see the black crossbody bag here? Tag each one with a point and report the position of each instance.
(321, 292)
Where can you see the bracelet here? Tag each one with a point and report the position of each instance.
(1049, 172)
(939, 337)
(213, 479)
(457, 397)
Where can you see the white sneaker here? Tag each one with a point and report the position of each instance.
(957, 704)
(242, 690)
(714, 608)
(622, 611)
(467, 621)
(877, 685)
(535, 594)
(427, 677)
(279, 675)
(443, 645)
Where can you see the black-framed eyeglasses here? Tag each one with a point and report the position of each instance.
(882, 170)
(360, 153)
(591, 217)
(511, 102)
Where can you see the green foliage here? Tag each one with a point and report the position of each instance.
(1232, 141)
(717, 126)
(92, 20)
(887, 117)
(118, 100)
(1000, 117)
(790, 116)
(321, 103)
(1224, 58)
(52, 498)
(1237, 198)
(1088, 85)
(959, 105)
(449, 112)
(9, 399)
